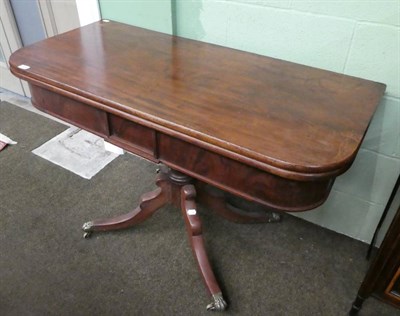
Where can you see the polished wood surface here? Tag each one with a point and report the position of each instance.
(188, 156)
(270, 131)
(288, 119)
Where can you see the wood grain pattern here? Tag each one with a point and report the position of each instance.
(291, 120)
(77, 113)
(132, 134)
(228, 174)
(240, 179)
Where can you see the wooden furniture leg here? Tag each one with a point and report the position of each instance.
(149, 203)
(176, 188)
(356, 307)
(216, 200)
(195, 233)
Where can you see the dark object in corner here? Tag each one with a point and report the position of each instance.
(383, 276)
(386, 210)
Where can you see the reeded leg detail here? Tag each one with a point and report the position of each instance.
(194, 230)
(215, 200)
(149, 203)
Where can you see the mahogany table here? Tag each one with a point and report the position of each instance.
(217, 119)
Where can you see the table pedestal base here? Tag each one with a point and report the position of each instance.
(178, 189)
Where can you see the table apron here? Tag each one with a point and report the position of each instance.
(225, 173)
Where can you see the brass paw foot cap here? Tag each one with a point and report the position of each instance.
(218, 304)
(87, 226)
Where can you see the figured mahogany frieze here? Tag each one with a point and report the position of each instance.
(241, 179)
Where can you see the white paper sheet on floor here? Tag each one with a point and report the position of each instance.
(77, 151)
(4, 141)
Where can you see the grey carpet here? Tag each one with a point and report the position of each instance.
(47, 268)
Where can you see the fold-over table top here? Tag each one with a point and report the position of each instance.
(289, 116)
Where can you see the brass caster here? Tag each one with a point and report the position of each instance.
(87, 228)
(218, 304)
(274, 218)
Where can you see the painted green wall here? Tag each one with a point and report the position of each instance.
(151, 14)
(359, 38)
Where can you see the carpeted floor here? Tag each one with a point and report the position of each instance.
(47, 268)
